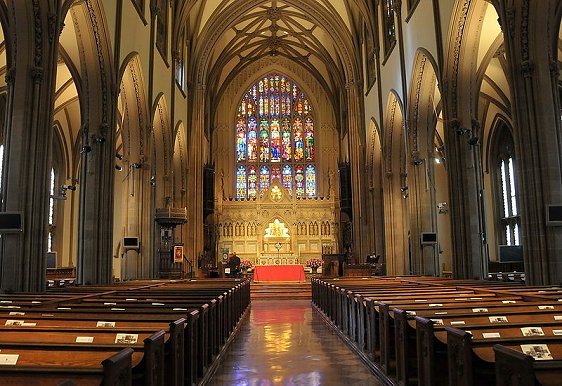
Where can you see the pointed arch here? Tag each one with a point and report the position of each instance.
(395, 188)
(375, 183)
(162, 150)
(180, 167)
(133, 108)
(423, 140)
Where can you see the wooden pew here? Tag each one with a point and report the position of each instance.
(471, 361)
(515, 368)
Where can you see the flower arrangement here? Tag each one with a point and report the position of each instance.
(246, 264)
(314, 263)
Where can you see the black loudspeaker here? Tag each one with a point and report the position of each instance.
(11, 222)
(208, 190)
(428, 238)
(346, 200)
(554, 215)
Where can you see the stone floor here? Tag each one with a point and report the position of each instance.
(286, 343)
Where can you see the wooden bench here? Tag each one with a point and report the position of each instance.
(512, 367)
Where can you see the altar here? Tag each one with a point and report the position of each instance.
(293, 272)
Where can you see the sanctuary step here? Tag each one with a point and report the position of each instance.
(269, 291)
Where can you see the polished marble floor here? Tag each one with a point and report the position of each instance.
(286, 343)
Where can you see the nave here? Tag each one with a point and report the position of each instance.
(286, 342)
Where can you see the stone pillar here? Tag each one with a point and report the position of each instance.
(196, 153)
(465, 192)
(95, 222)
(28, 135)
(358, 171)
(531, 35)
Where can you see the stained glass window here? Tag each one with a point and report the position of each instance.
(264, 178)
(252, 182)
(241, 184)
(274, 139)
(310, 181)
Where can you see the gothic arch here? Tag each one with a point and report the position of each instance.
(133, 107)
(423, 119)
(162, 151)
(180, 167)
(375, 183)
(395, 188)
(461, 65)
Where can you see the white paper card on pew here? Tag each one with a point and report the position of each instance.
(532, 331)
(438, 322)
(538, 351)
(11, 322)
(5, 301)
(126, 338)
(18, 313)
(9, 359)
(457, 322)
(509, 301)
(436, 305)
(490, 335)
(131, 300)
(418, 300)
(227, 270)
(117, 309)
(546, 307)
(158, 304)
(557, 317)
(105, 324)
(109, 304)
(498, 319)
(84, 339)
(557, 332)
(29, 324)
(479, 310)
(179, 309)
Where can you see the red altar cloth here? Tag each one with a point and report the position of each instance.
(279, 273)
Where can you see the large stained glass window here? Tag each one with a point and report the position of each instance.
(275, 139)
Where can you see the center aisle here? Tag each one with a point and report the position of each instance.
(285, 343)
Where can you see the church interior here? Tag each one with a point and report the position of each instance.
(147, 140)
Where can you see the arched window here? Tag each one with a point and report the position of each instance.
(389, 32)
(505, 186)
(275, 139)
(52, 193)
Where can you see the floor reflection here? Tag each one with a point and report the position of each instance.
(285, 343)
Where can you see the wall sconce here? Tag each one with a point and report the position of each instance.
(62, 193)
(99, 139)
(404, 190)
(417, 161)
(86, 149)
(136, 165)
(473, 141)
(119, 156)
(442, 208)
(462, 130)
(119, 168)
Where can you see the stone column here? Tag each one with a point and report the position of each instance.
(357, 165)
(196, 152)
(465, 192)
(95, 217)
(28, 135)
(531, 35)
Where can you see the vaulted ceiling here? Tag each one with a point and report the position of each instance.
(320, 35)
